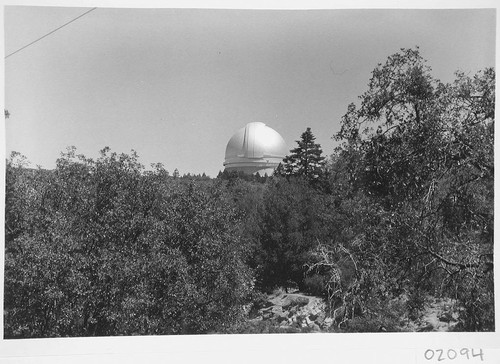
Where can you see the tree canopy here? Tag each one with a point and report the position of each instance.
(421, 153)
(102, 247)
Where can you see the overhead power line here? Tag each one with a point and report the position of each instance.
(53, 31)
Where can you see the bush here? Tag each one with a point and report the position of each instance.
(102, 248)
(315, 285)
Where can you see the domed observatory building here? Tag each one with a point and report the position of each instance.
(255, 148)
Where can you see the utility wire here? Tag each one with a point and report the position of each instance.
(55, 30)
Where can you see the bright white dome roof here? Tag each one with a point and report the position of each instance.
(255, 148)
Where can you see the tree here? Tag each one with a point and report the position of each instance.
(421, 152)
(292, 221)
(305, 160)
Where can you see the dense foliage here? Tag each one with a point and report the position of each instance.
(402, 211)
(415, 173)
(104, 248)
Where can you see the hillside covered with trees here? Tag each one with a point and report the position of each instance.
(402, 211)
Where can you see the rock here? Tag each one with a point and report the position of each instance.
(301, 301)
(281, 318)
(267, 315)
(261, 304)
(295, 301)
(446, 317)
(313, 317)
(315, 327)
(284, 324)
(293, 310)
(328, 322)
(277, 310)
(300, 319)
(266, 310)
(426, 328)
(321, 318)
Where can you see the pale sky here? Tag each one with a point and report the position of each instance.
(175, 84)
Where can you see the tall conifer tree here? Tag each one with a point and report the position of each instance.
(305, 160)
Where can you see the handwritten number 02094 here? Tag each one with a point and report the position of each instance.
(451, 354)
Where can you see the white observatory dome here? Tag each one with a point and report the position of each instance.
(255, 148)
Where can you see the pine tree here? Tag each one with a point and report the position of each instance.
(305, 160)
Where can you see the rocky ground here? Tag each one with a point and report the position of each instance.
(438, 315)
(293, 310)
(298, 312)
